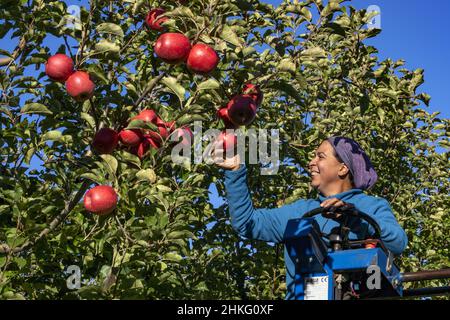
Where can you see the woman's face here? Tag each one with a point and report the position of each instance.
(325, 169)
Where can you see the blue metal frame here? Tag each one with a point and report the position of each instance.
(314, 259)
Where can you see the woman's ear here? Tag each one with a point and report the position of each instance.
(343, 170)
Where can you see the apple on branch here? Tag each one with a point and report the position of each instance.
(202, 59)
(172, 48)
(131, 137)
(101, 200)
(242, 110)
(105, 141)
(59, 67)
(222, 114)
(80, 86)
(153, 20)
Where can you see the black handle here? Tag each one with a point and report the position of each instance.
(349, 210)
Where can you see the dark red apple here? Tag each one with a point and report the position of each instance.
(59, 67)
(100, 200)
(254, 91)
(242, 110)
(202, 59)
(173, 48)
(222, 114)
(80, 86)
(130, 138)
(105, 140)
(152, 20)
(228, 140)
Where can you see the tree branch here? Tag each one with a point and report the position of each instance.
(149, 88)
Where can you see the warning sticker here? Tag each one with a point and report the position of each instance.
(316, 288)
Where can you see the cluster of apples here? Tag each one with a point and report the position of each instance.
(79, 84)
(175, 48)
(102, 200)
(240, 111)
(140, 141)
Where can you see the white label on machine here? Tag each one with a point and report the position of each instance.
(316, 288)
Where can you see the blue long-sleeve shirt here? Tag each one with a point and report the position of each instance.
(270, 224)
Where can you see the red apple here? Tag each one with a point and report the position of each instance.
(152, 20)
(222, 114)
(170, 126)
(80, 86)
(254, 91)
(173, 48)
(242, 110)
(147, 115)
(100, 200)
(59, 67)
(145, 145)
(228, 140)
(130, 138)
(202, 59)
(105, 140)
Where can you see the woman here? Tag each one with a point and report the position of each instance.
(340, 171)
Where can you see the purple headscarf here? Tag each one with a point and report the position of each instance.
(351, 153)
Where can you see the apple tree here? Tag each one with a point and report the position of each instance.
(159, 236)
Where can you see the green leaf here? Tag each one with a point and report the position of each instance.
(88, 118)
(53, 135)
(111, 162)
(104, 46)
(230, 36)
(146, 175)
(35, 108)
(29, 155)
(181, 234)
(209, 85)
(315, 52)
(97, 73)
(174, 86)
(287, 65)
(306, 13)
(190, 118)
(91, 176)
(381, 114)
(172, 256)
(140, 124)
(110, 28)
(163, 188)
(128, 157)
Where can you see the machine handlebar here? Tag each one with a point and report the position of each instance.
(348, 210)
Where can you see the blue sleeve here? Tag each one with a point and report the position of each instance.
(260, 224)
(392, 234)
